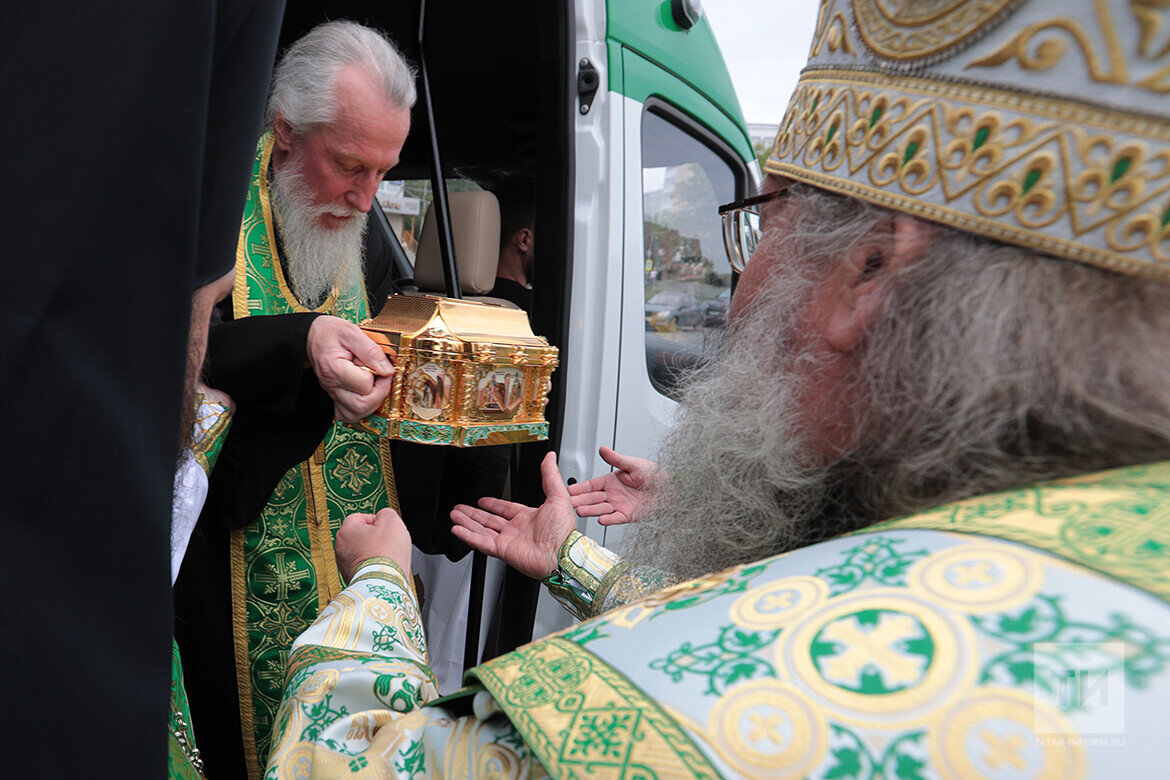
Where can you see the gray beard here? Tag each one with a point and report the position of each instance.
(742, 485)
(317, 259)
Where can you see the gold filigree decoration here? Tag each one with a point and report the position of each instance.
(1150, 18)
(769, 729)
(904, 32)
(833, 31)
(1043, 45)
(1062, 178)
(998, 729)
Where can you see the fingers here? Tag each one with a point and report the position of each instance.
(350, 407)
(382, 387)
(614, 518)
(594, 510)
(585, 499)
(389, 521)
(507, 510)
(352, 378)
(366, 352)
(476, 540)
(473, 532)
(597, 484)
(479, 516)
(358, 518)
(386, 517)
(343, 356)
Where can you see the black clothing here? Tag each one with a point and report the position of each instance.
(282, 412)
(432, 480)
(513, 291)
(125, 158)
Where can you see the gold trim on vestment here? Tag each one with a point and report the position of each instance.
(607, 583)
(240, 288)
(270, 226)
(320, 533)
(542, 686)
(1075, 519)
(388, 475)
(200, 448)
(240, 640)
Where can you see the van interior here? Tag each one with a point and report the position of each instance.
(500, 104)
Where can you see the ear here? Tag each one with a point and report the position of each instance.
(283, 132)
(523, 239)
(863, 282)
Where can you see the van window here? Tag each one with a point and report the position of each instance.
(405, 203)
(687, 274)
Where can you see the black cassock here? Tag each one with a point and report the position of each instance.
(128, 131)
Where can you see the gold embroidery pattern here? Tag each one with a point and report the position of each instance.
(898, 33)
(353, 471)
(1051, 134)
(1117, 522)
(832, 32)
(981, 578)
(915, 684)
(1027, 170)
(997, 729)
(779, 603)
(769, 728)
(213, 421)
(580, 716)
(1042, 46)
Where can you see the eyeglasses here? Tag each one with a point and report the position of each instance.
(741, 227)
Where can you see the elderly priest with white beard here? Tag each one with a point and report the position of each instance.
(289, 351)
(933, 453)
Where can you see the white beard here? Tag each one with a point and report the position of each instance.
(318, 259)
(742, 485)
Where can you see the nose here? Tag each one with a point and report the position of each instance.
(361, 193)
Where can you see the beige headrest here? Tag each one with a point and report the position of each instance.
(475, 223)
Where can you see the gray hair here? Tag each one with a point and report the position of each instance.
(992, 366)
(303, 83)
(988, 367)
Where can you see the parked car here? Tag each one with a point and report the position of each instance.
(715, 310)
(670, 310)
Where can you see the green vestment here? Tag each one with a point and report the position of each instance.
(282, 565)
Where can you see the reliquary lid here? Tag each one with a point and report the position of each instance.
(412, 315)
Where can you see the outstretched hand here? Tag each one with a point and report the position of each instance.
(616, 497)
(351, 368)
(524, 537)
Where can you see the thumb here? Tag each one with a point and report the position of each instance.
(551, 480)
(616, 459)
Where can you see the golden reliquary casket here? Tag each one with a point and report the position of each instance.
(467, 373)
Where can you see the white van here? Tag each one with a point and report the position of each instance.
(624, 117)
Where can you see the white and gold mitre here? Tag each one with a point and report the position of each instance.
(1043, 123)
